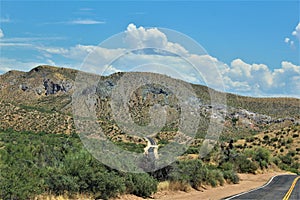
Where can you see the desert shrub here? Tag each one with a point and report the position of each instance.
(287, 159)
(192, 150)
(239, 146)
(262, 156)
(245, 165)
(289, 141)
(215, 177)
(142, 185)
(32, 164)
(266, 137)
(250, 139)
(226, 166)
(274, 139)
(276, 160)
(195, 173)
(231, 176)
(292, 153)
(189, 171)
(289, 164)
(281, 150)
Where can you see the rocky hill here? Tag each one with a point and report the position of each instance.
(40, 101)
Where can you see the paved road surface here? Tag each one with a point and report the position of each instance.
(151, 147)
(296, 192)
(275, 189)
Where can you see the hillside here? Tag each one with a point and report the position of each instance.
(38, 137)
(284, 145)
(40, 101)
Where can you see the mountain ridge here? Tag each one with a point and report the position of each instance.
(47, 90)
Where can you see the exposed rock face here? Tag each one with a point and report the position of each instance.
(53, 88)
(23, 87)
(45, 93)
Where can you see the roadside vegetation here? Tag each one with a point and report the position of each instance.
(41, 164)
(32, 164)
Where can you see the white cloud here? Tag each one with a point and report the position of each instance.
(141, 37)
(8, 64)
(77, 22)
(296, 32)
(237, 77)
(5, 20)
(15, 44)
(53, 50)
(258, 79)
(86, 22)
(286, 79)
(287, 40)
(1, 33)
(29, 39)
(137, 38)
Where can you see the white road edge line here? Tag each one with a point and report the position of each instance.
(255, 188)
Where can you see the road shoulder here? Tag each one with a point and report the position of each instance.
(247, 182)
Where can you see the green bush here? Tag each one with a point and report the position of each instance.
(266, 137)
(195, 173)
(141, 185)
(226, 166)
(231, 176)
(244, 165)
(287, 159)
(262, 156)
(192, 150)
(33, 164)
(276, 160)
(250, 139)
(215, 177)
(289, 140)
(189, 171)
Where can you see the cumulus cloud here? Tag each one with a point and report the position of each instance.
(259, 80)
(1, 33)
(286, 79)
(237, 77)
(140, 37)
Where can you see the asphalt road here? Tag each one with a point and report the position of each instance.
(296, 192)
(151, 140)
(273, 190)
(150, 148)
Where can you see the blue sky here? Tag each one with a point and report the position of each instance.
(255, 43)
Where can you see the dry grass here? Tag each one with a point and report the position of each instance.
(178, 186)
(163, 186)
(279, 142)
(63, 197)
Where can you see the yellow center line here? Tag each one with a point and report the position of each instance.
(288, 194)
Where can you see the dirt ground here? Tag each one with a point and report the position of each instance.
(247, 182)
